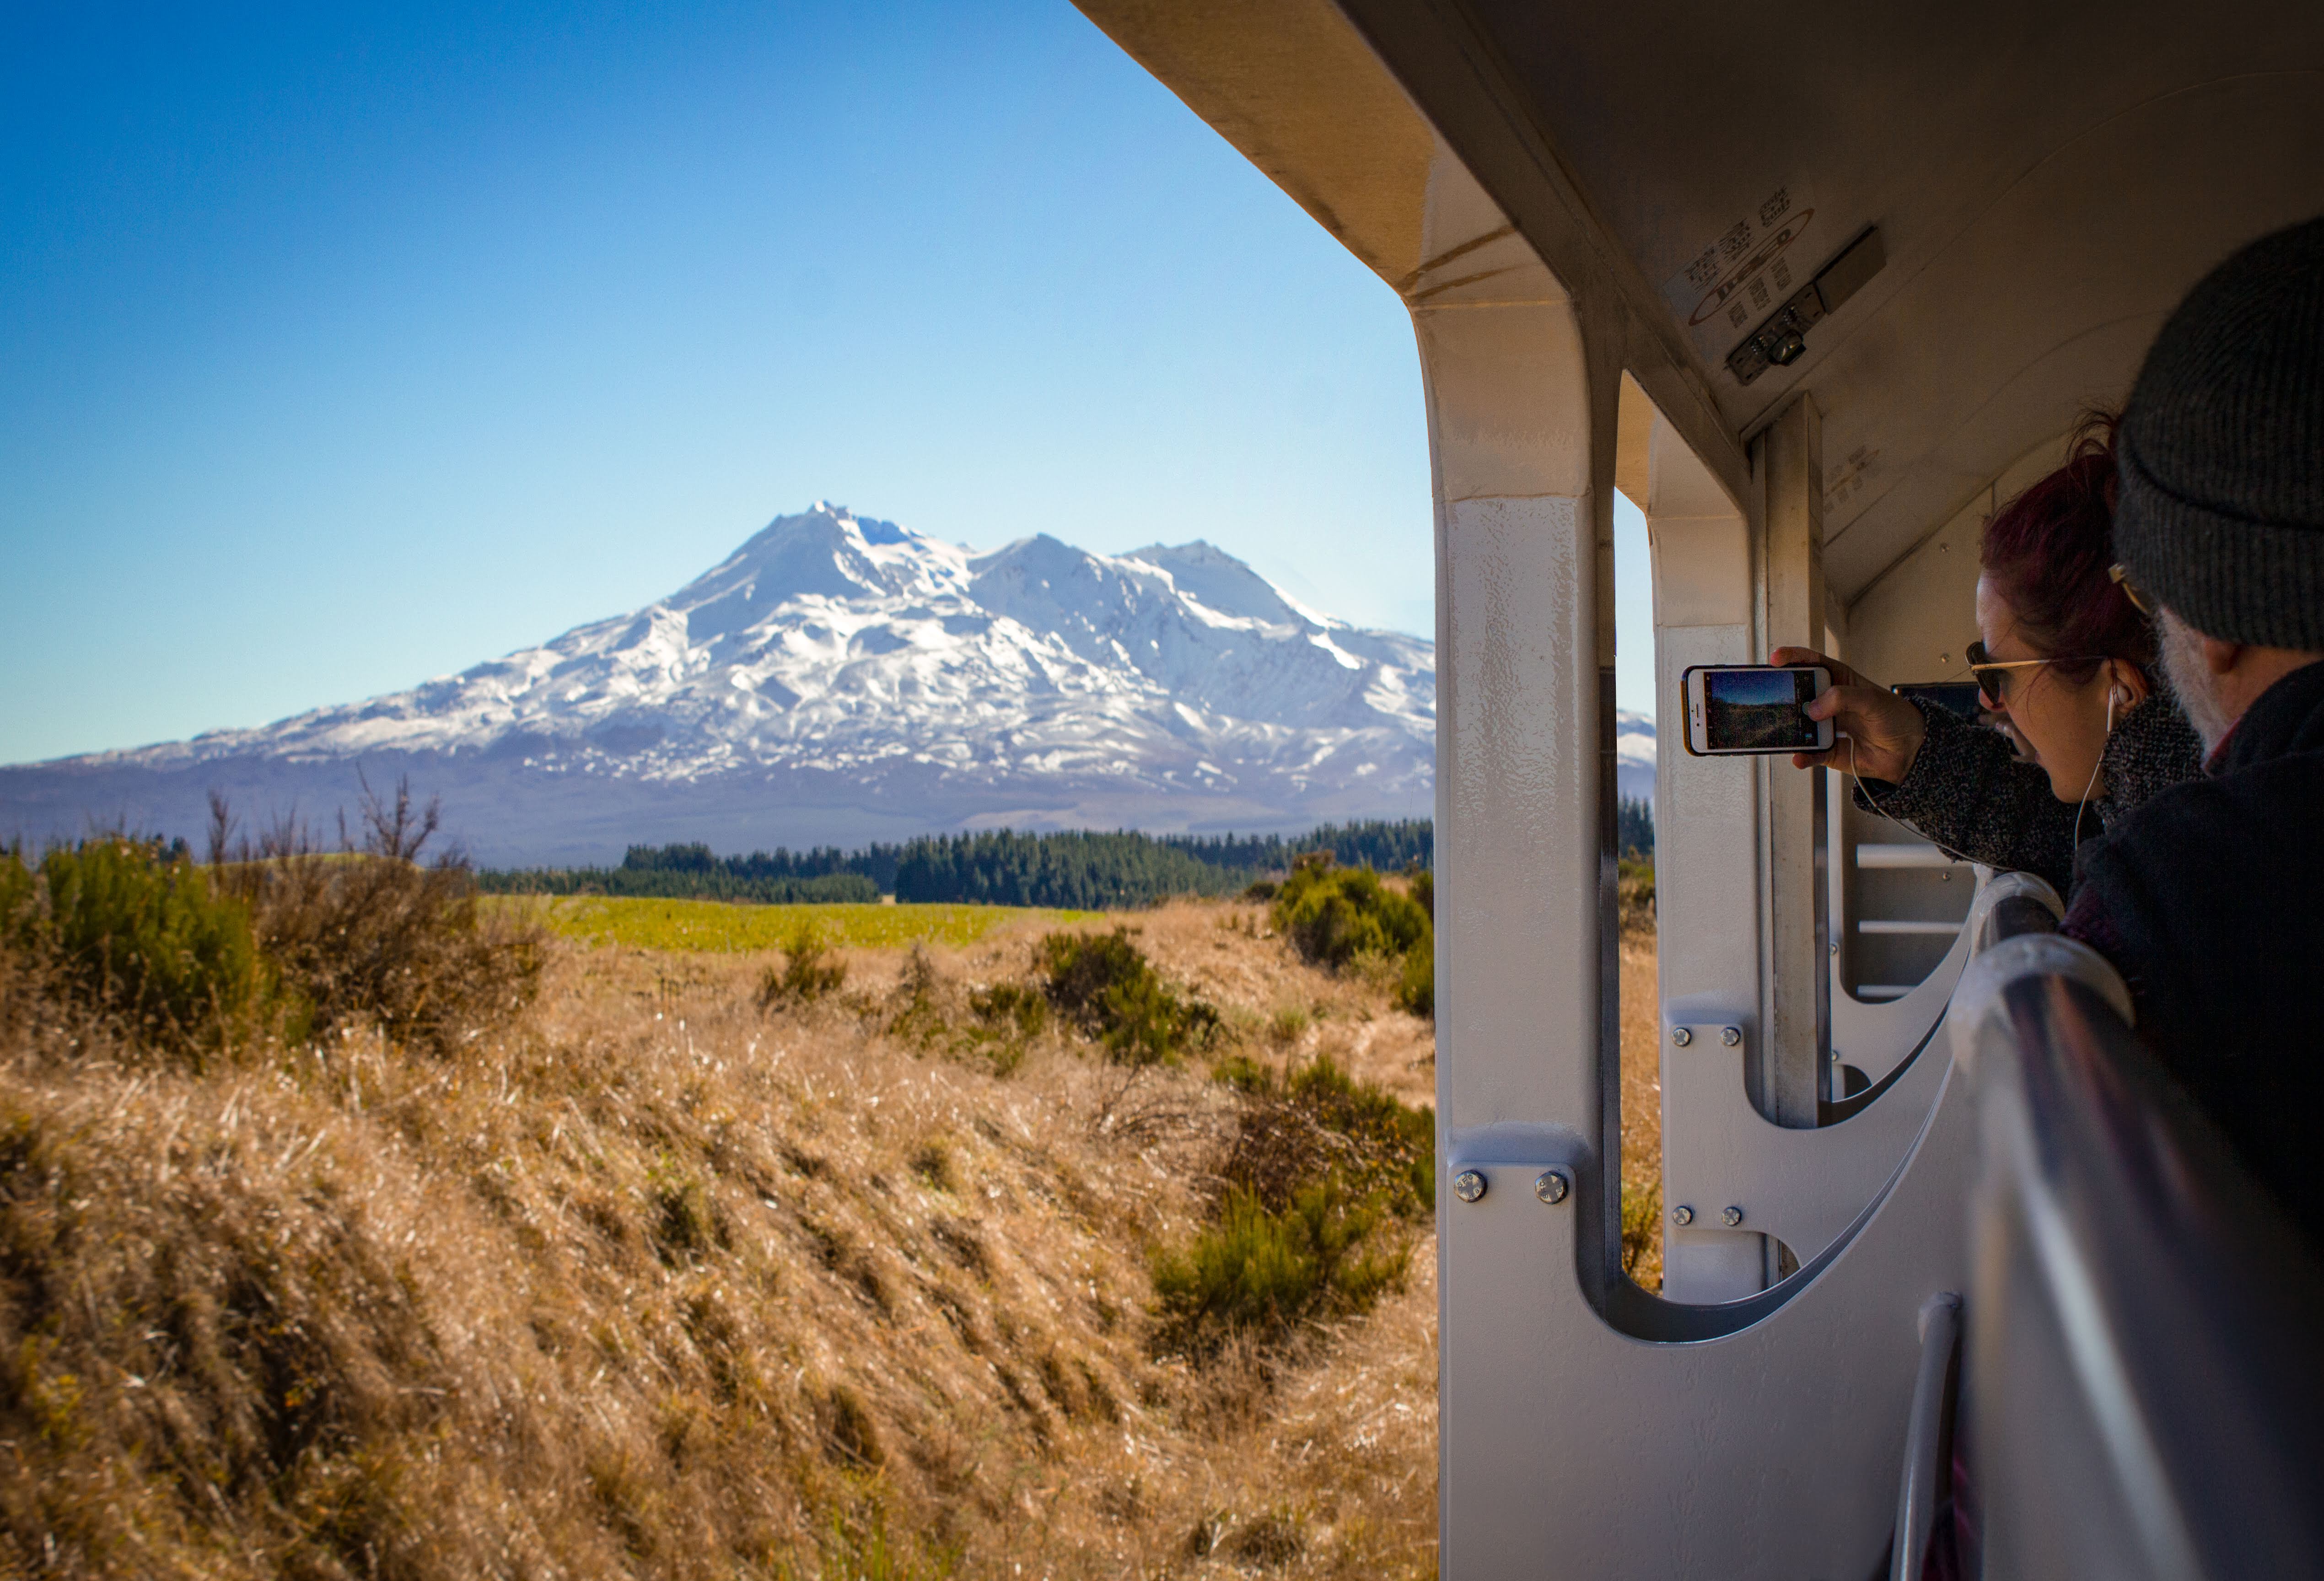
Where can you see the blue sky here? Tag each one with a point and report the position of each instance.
(343, 347)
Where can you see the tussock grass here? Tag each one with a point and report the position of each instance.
(1641, 1111)
(652, 1282)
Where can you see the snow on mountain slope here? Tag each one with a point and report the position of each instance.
(1633, 755)
(841, 678)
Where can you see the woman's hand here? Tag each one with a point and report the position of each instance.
(1883, 731)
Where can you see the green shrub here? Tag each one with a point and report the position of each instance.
(19, 895)
(807, 973)
(1105, 985)
(1325, 1185)
(139, 932)
(1334, 914)
(1259, 1270)
(1388, 1147)
(1244, 1073)
(1415, 989)
(1012, 1009)
(1635, 885)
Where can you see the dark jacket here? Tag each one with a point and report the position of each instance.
(1970, 791)
(2209, 900)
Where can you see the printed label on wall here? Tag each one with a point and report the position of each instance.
(1743, 274)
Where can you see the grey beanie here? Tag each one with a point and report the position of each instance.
(2221, 450)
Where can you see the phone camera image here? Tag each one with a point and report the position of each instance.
(1759, 710)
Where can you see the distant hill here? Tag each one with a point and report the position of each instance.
(840, 681)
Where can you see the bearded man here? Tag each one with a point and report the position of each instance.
(2209, 899)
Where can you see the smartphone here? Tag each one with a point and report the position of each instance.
(1746, 708)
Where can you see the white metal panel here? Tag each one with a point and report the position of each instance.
(1771, 1451)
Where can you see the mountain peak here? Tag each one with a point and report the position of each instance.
(840, 678)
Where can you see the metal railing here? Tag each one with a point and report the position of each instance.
(2144, 1363)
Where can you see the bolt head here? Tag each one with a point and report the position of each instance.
(1730, 1036)
(1468, 1186)
(1682, 1036)
(1552, 1187)
(1682, 1215)
(1731, 1216)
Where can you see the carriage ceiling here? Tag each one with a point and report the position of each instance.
(2046, 181)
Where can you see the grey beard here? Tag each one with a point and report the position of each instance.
(2191, 678)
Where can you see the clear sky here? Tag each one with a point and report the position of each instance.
(341, 347)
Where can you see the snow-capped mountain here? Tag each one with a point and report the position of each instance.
(840, 678)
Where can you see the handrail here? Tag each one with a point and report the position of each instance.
(1916, 1498)
(2146, 1328)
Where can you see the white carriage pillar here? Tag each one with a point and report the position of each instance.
(1787, 1076)
(1521, 399)
(1707, 837)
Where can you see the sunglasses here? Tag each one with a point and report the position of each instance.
(1994, 675)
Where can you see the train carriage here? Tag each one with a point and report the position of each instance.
(1815, 287)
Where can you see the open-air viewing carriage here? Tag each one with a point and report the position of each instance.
(1814, 287)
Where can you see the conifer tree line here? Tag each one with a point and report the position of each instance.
(1075, 868)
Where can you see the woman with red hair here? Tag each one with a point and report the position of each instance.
(2065, 657)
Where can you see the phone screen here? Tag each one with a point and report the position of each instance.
(1759, 710)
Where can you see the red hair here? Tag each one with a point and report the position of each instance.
(2049, 551)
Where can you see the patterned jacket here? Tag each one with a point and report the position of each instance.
(1968, 792)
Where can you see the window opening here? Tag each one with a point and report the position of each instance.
(1636, 752)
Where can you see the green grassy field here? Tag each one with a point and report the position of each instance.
(718, 925)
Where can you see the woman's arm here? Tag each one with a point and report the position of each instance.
(1956, 784)
(1972, 794)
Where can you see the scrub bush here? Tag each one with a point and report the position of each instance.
(1415, 989)
(1012, 1009)
(1323, 1191)
(1104, 984)
(1334, 914)
(1338, 916)
(136, 932)
(1265, 1271)
(807, 973)
(1634, 886)
(371, 933)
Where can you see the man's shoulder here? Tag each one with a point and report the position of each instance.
(2207, 841)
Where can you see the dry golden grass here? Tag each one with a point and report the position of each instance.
(1642, 1099)
(655, 1283)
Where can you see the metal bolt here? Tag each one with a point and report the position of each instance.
(1682, 1036)
(1730, 1036)
(1731, 1216)
(1551, 1187)
(1467, 1185)
(1682, 1215)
